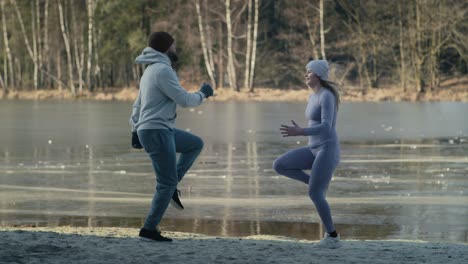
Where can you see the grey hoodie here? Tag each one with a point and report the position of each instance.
(159, 94)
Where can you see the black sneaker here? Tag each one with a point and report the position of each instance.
(154, 235)
(175, 201)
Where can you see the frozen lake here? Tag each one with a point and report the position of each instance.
(403, 174)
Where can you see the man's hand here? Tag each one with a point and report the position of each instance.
(290, 131)
(206, 90)
(136, 141)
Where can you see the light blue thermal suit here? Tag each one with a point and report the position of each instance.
(321, 156)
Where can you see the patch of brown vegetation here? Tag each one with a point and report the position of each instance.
(450, 91)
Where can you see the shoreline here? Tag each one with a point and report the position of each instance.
(459, 94)
(121, 245)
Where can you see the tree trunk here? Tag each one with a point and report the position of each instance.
(231, 66)
(310, 32)
(6, 42)
(18, 74)
(356, 29)
(402, 50)
(254, 48)
(360, 74)
(220, 56)
(436, 44)
(208, 65)
(59, 70)
(90, 10)
(32, 54)
(322, 33)
(418, 58)
(67, 48)
(209, 43)
(39, 44)
(362, 54)
(248, 45)
(3, 85)
(48, 82)
(375, 77)
(135, 75)
(97, 68)
(35, 49)
(5, 73)
(78, 46)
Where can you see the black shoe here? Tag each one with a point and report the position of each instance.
(153, 235)
(175, 201)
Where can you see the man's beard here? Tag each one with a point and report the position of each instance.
(174, 59)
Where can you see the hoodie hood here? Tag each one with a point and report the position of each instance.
(150, 56)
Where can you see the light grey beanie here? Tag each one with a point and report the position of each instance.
(319, 67)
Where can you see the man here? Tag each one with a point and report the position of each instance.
(153, 125)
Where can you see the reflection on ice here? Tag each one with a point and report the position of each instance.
(386, 183)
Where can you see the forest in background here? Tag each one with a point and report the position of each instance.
(90, 45)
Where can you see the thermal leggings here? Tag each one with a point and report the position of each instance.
(322, 161)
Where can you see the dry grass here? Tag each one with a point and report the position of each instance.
(450, 91)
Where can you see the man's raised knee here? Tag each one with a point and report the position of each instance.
(199, 143)
(278, 166)
(316, 196)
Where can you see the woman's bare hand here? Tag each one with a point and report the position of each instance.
(291, 131)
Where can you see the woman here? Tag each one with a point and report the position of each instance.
(322, 154)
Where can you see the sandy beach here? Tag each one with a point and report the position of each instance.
(121, 245)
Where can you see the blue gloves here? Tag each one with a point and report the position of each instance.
(136, 141)
(206, 90)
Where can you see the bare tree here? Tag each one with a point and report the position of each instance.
(3, 85)
(97, 62)
(43, 48)
(31, 51)
(231, 67)
(414, 44)
(46, 47)
(322, 33)
(8, 73)
(401, 48)
(78, 45)
(248, 46)
(91, 9)
(59, 69)
(357, 34)
(35, 44)
(311, 28)
(220, 57)
(254, 47)
(443, 21)
(66, 41)
(416, 49)
(38, 40)
(18, 72)
(209, 43)
(208, 61)
(436, 40)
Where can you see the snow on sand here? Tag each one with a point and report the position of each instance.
(121, 245)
